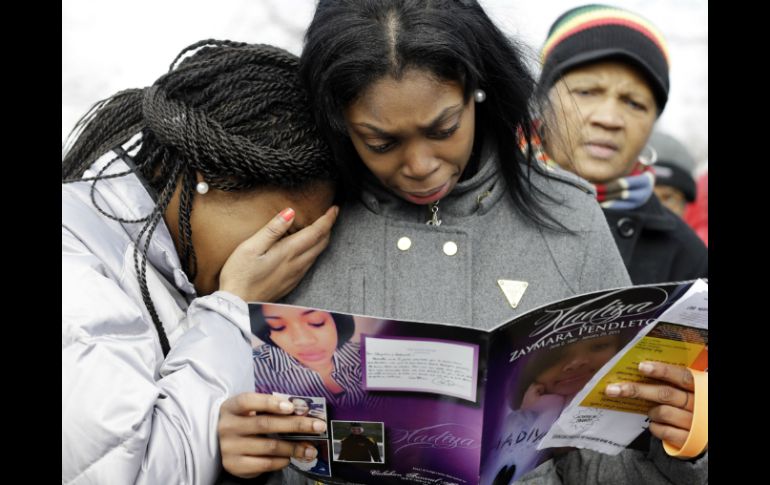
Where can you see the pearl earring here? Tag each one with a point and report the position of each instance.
(202, 187)
(479, 95)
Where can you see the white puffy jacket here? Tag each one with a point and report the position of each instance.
(128, 415)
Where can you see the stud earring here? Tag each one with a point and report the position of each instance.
(202, 187)
(479, 95)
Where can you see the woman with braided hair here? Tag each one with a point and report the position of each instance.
(180, 202)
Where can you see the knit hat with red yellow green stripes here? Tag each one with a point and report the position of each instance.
(591, 33)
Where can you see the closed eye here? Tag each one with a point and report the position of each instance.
(444, 134)
(381, 148)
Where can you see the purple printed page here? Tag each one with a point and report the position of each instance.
(538, 364)
(417, 402)
(403, 400)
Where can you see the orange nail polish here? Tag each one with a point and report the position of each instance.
(287, 214)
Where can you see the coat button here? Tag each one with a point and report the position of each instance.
(404, 243)
(450, 248)
(626, 227)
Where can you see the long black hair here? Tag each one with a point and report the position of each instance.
(234, 112)
(352, 43)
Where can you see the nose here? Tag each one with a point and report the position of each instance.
(607, 114)
(302, 337)
(575, 362)
(419, 161)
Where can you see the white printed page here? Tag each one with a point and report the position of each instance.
(424, 365)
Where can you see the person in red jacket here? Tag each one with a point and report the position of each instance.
(697, 213)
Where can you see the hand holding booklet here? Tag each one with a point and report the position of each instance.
(419, 402)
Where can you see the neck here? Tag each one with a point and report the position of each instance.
(473, 162)
(171, 218)
(323, 368)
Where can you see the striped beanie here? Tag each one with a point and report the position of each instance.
(595, 32)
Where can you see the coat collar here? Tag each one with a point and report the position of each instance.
(127, 198)
(652, 215)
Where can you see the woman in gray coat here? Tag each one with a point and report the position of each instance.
(448, 218)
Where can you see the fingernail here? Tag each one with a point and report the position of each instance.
(319, 426)
(310, 452)
(286, 406)
(612, 390)
(646, 367)
(287, 214)
(336, 211)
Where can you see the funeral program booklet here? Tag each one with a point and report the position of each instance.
(419, 402)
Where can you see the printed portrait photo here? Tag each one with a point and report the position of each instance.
(537, 395)
(312, 407)
(358, 441)
(319, 465)
(556, 375)
(306, 352)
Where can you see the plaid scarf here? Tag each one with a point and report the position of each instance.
(625, 193)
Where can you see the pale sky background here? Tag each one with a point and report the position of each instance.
(110, 45)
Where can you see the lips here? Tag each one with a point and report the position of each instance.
(579, 379)
(601, 149)
(428, 196)
(311, 356)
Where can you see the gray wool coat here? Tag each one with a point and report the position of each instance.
(364, 271)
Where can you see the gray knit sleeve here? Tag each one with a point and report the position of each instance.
(630, 467)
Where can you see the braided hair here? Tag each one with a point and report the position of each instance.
(234, 112)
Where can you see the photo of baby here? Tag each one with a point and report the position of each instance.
(537, 395)
(554, 377)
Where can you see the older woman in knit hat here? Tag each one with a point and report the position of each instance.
(605, 77)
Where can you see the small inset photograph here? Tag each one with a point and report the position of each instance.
(310, 406)
(318, 465)
(358, 441)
